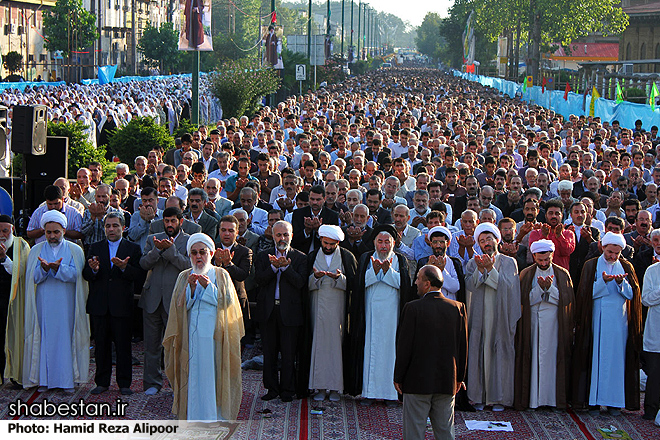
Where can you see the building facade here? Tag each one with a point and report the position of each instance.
(641, 39)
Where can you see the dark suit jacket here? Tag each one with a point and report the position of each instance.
(208, 223)
(383, 216)
(239, 269)
(301, 242)
(369, 155)
(579, 255)
(110, 289)
(358, 248)
(212, 166)
(188, 226)
(292, 287)
(431, 365)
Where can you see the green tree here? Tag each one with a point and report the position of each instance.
(240, 84)
(428, 39)
(69, 27)
(138, 137)
(13, 61)
(546, 22)
(159, 46)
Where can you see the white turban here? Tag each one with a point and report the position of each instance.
(487, 227)
(332, 232)
(440, 229)
(565, 185)
(53, 215)
(542, 246)
(612, 238)
(200, 237)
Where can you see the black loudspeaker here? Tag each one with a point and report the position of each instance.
(52, 165)
(3, 132)
(28, 129)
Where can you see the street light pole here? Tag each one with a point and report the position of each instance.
(351, 45)
(343, 29)
(309, 31)
(359, 37)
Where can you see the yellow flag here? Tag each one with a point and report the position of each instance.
(594, 96)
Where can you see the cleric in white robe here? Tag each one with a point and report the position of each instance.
(545, 332)
(56, 350)
(203, 339)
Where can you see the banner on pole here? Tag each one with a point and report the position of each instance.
(195, 25)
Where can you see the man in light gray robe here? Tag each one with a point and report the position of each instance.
(493, 303)
(329, 286)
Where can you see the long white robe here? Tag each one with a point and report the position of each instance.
(610, 330)
(328, 298)
(56, 350)
(381, 320)
(545, 331)
(202, 314)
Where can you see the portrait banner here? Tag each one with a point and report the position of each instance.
(195, 25)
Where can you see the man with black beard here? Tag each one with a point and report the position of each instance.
(331, 277)
(13, 259)
(453, 286)
(164, 256)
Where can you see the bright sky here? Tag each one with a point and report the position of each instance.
(412, 10)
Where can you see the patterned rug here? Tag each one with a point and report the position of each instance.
(346, 419)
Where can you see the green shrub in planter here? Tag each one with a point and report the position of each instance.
(138, 137)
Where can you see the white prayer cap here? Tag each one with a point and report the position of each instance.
(332, 232)
(565, 185)
(612, 238)
(53, 215)
(441, 230)
(542, 246)
(487, 227)
(200, 237)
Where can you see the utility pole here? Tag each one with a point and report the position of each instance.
(133, 36)
(351, 45)
(359, 54)
(328, 19)
(343, 29)
(309, 31)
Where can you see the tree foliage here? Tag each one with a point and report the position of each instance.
(428, 39)
(240, 84)
(81, 150)
(13, 61)
(69, 27)
(138, 137)
(159, 46)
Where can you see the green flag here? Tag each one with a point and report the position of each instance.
(619, 93)
(524, 85)
(653, 96)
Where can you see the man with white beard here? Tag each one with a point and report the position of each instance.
(382, 288)
(55, 296)
(13, 258)
(202, 339)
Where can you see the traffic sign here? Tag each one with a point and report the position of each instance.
(301, 72)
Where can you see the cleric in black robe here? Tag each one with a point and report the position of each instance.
(355, 334)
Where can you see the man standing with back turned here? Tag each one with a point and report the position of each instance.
(430, 377)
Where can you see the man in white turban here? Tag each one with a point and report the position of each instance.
(331, 271)
(608, 336)
(493, 299)
(203, 339)
(545, 332)
(56, 350)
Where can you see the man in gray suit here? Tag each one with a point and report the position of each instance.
(189, 227)
(197, 199)
(164, 257)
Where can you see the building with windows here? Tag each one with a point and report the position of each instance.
(641, 39)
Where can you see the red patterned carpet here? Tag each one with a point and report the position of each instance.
(347, 419)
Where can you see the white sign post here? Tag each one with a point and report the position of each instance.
(301, 74)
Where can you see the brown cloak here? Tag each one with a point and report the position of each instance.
(581, 368)
(564, 338)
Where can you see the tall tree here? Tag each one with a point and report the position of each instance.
(428, 39)
(13, 61)
(159, 46)
(548, 22)
(69, 27)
